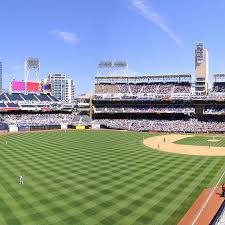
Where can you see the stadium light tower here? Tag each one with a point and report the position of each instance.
(112, 68)
(31, 65)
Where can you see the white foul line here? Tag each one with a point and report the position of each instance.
(208, 199)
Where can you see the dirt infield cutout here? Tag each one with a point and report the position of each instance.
(157, 142)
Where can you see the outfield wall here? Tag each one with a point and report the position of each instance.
(37, 128)
(81, 127)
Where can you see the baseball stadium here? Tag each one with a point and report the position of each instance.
(143, 149)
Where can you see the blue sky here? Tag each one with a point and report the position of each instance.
(72, 36)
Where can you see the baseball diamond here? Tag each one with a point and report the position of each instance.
(188, 144)
(98, 177)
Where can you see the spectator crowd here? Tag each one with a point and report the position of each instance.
(216, 109)
(218, 87)
(191, 125)
(37, 119)
(166, 109)
(134, 89)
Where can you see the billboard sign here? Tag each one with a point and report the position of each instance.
(33, 86)
(46, 87)
(18, 86)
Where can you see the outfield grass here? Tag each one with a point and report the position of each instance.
(97, 178)
(202, 141)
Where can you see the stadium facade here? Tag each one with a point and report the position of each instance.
(124, 100)
(160, 102)
(201, 69)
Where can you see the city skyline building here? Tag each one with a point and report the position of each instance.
(201, 69)
(61, 87)
(0, 77)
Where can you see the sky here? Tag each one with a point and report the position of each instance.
(73, 36)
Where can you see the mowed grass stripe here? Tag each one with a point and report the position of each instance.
(188, 184)
(98, 177)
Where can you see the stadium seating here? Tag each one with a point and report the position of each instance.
(190, 125)
(29, 97)
(12, 105)
(14, 97)
(26, 105)
(44, 98)
(216, 109)
(21, 101)
(53, 98)
(156, 90)
(42, 105)
(3, 97)
(218, 87)
(161, 109)
(81, 120)
(30, 119)
(182, 88)
(2, 105)
(3, 127)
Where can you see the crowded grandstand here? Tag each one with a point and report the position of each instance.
(164, 103)
(158, 103)
(153, 86)
(38, 109)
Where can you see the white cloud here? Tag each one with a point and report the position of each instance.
(65, 36)
(152, 16)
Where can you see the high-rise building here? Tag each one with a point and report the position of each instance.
(69, 92)
(62, 87)
(201, 69)
(0, 77)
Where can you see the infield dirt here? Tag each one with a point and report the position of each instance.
(157, 142)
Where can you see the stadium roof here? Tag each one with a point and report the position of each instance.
(151, 76)
(219, 75)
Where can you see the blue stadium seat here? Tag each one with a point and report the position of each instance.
(44, 98)
(53, 98)
(43, 106)
(14, 97)
(12, 105)
(3, 98)
(30, 106)
(29, 97)
(2, 105)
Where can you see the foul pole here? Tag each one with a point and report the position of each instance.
(91, 110)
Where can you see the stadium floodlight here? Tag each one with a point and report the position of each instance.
(112, 68)
(31, 64)
(120, 64)
(105, 64)
(113, 64)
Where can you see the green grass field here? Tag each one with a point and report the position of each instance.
(202, 141)
(97, 178)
